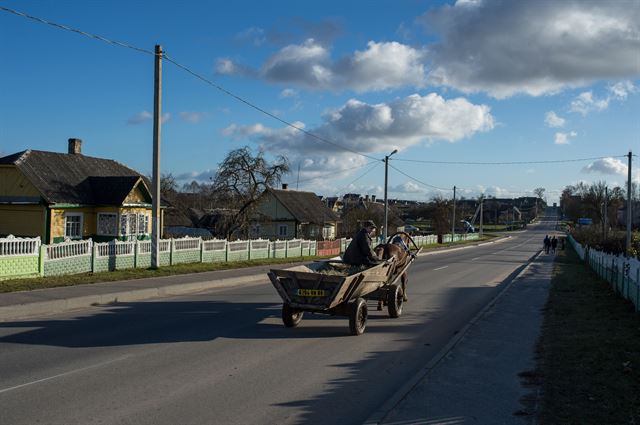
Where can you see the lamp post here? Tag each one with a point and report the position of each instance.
(386, 201)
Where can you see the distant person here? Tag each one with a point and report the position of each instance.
(554, 244)
(359, 251)
(547, 244)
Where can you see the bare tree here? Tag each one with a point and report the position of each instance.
(241, 179)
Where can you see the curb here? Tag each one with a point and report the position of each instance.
(377, 417)
(21, 311)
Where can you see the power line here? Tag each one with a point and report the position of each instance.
(86, 34)
(338, 172)
(416, 180)
(259, 109)
(375, 164)
(508, 162)
(195, 74)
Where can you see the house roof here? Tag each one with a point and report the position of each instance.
(75, 178)
(306, 207)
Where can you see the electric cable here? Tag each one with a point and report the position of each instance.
(507, 162)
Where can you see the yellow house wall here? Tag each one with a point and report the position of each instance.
(22, 220)
(13, 183)
(136, 196)
(89, 217)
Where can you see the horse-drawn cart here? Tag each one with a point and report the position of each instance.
(335, 288)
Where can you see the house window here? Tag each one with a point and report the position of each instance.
(282, 230)
(107, 224)
(143, 224)
(73, 225)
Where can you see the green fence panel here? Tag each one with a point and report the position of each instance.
(71, 265)
(12, 267)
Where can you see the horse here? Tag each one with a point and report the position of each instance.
(397, 247)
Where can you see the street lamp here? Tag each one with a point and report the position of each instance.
(386, 201)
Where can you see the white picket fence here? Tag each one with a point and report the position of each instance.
(19, 246)
(623, 273)
(70, 249)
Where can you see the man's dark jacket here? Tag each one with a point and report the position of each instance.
(359, 250)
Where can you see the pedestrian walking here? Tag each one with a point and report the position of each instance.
(547, 244)
(554, 244)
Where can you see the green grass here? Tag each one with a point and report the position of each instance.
(128, 274)
(589, 367)
(28, 284)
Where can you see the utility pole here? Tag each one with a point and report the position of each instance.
(155, 192)
(481, 215)
(386, 201)
(453, 224)
(606, 207)
(628, 245)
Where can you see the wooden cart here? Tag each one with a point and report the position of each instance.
(326, 287)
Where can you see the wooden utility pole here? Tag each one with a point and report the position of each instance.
(453, 224)
(629, 209)
(155, 192)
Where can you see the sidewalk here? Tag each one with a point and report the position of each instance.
(477, 379)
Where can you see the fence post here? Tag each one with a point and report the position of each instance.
(249, 250)
(638, 289)
(43, 250)
(201, 250)
(171, 251)
(135, 254)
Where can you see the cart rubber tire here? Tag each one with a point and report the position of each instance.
(395, 299)
(291, 317)
(358, 316)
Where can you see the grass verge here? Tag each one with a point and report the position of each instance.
(589, 368)
(28, 284)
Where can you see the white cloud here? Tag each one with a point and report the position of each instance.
(611, 166)
(199, 176)
(408, 188)
(551, 119)
(380, 66)
(253, 35)
(532, 47)
(192, 117)
(563, 138)
(288, 93)
(144, 116)
(622, 89)
(140, 118)
(371, 128)
(585, 103)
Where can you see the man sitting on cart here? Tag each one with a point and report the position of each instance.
(359, 251)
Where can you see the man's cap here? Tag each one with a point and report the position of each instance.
(369, 223)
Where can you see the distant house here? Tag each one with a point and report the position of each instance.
(292, 214)
(60, 196)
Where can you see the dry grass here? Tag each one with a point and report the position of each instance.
(589, 351)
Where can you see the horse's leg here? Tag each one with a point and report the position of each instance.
(404, 279)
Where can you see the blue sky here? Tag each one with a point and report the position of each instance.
(468, 81)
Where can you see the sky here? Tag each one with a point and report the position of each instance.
(494, 97)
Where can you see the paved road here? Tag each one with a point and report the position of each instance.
(223, 356)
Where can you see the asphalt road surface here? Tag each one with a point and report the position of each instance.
(224, 357)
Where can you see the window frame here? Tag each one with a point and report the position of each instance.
(280, 228)
(80, 224)
(114, 229)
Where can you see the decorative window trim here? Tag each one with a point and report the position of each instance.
(81, 224)
(113, 231)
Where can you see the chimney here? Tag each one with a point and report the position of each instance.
(366, 198)
(373, 198)
(285, 186)
(75, 146)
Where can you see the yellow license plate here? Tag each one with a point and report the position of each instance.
(312, 293)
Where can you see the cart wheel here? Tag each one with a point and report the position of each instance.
(395, 299)
(291, 317)
(358, 316)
